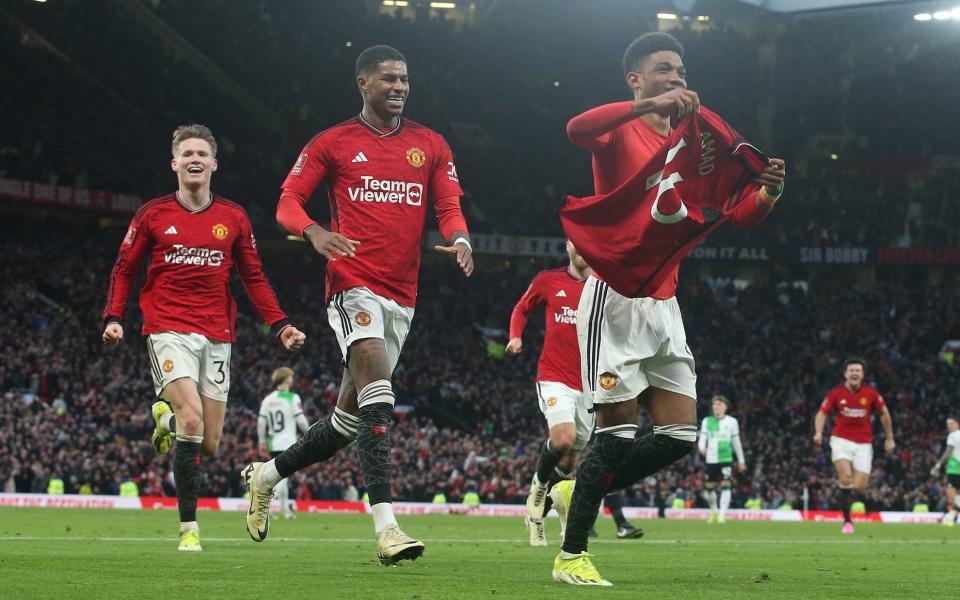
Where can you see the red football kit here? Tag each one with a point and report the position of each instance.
(560, 292)
(188, 280)
(637, 228)
(853, 412)
(380, 181)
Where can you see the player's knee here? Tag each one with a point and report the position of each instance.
(190, 423)
(563, 440)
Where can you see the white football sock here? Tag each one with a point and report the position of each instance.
(382, 516)
(269, 476)
(724, 500)
(712, 499)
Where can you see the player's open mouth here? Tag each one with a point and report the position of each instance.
(395, 100)
(194, 169)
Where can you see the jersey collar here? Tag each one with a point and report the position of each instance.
(376, 131)
(194, 211)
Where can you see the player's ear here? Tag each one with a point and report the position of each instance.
(215, 165)
(634, 80)
(173, 164)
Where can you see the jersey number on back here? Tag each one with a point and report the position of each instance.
(276, 421)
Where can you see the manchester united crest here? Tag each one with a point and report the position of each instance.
(363, 319)
(416, 157)
(220, 231)
(863, 401)
(551, 401)
(167, 366)
(608, 381)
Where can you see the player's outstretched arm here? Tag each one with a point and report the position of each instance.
(752, 212)
(887, 421)
(818, 422)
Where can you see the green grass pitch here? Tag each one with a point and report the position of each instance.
(62, 553)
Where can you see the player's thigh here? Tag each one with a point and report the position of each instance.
(612, 334)
(862, 464)
(844, 467)
(214, 377)
(860, 479)
(367, 361)
(397, 320)
(668, 407)
(214, 411)
(183, 395)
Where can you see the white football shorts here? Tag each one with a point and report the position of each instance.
(175, 355)
(861, 455)
(630, 344)
(358, 314)
(562, 404)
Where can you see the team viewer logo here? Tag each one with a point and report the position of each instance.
(608, 381)
(416, 157)
(363, 319)
(167, 366)
(220, 231)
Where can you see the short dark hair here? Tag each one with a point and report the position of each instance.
(647, 44)
(721, 398)
(854, 360)
(374, 55)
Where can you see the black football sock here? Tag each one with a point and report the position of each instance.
(186, 475)
(373, 439)
(550, 457)
(320, 442)
(846, 500)
(654, 451)
(613, 502)
(599, 462)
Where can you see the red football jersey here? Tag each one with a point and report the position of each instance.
(560, 292)
(380, 181)
(853, 411)
(188, 280)
(637, 228)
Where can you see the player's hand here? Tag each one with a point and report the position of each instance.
(935, 471)
(889, 445)
(112, 334)
(292, 338)
(463, 255)
(818, 439)
(514, 346)
(679, 103)
(772, 176)
(742, 467)
(330, 244)
(262, 449)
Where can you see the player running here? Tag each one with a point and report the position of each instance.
(951, 456)
(568, 412)
(192, 238)
(719, 441)
(382, 169)
(851, 442)
(281, 415)
(634, 349)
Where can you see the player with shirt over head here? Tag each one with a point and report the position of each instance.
(719, 441)
(281, 415)
(568, 412)
(951, 456)
(634, 349)
(851, 441)
(193, 238)
(382, 169)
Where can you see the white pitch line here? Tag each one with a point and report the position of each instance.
(322, 540)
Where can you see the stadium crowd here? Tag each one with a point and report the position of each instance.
(468, 416)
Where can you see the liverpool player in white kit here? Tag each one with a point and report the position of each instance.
(569, 413)
(281, 415)
(851, 442)
(719, 441)
(951, 456)
(193, 238)
(382, 169)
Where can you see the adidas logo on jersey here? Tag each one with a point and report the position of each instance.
(561, 294)
(360, 158)
(171, 230)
